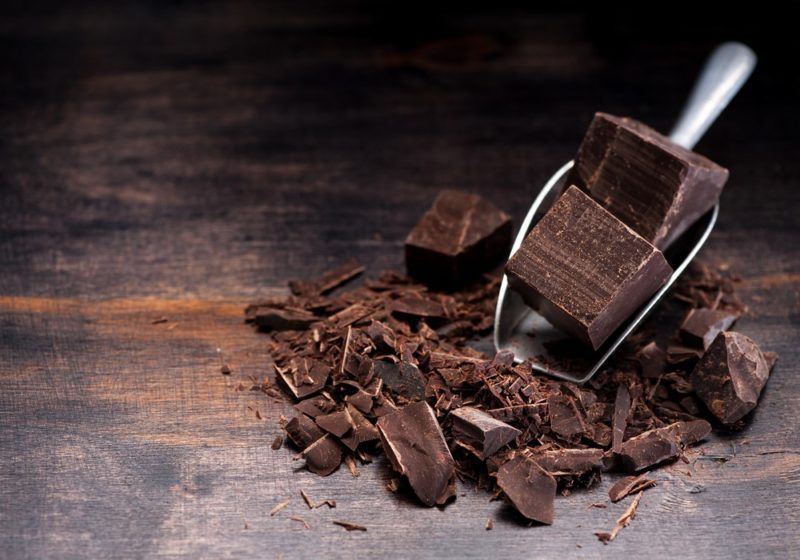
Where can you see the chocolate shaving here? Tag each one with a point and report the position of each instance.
(349, 526)
(629, 485)
(622, 522)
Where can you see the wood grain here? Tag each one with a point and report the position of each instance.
(168, 160)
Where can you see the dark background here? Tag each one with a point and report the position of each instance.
(180, 159)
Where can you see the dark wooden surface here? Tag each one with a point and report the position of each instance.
(177, 160)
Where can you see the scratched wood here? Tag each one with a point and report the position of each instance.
(167, 160)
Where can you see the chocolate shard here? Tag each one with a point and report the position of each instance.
(416, 448)
(677, 354)
(652, 360)
(280, 318)
(363, 430)
(382, 336)
(402, 379)
(565, 418)
(304, 377)
(302, 431)
(650, 448)
(417, 307)
(647, 181)
(459, 238)
(529, 488)
(573, 462)
(479, 432)
(323, 456)
(629, 485)
(329, 280)
(585, 270)
(730, 376)
(316, 406)
(661, 444)
(622, 409)
(337, 423)
(701, 326)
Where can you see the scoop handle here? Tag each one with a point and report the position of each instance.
(724, 73)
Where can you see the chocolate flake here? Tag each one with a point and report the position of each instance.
(303, 431)
(307, 499)
(415, 445)
(277, 508)
(629, 485)
(622, 522)
(622, 409)
(301, 520)
(277, 443)
(349, 526)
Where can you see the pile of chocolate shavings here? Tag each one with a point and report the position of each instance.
(347, 360)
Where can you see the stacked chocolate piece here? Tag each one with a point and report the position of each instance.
(388, 365)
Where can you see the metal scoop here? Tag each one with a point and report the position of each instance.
(525, 332)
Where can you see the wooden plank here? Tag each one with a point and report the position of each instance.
(181, 161)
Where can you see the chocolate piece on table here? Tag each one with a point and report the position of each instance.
(461, 236)
(316, 406)
(479, 432)
(323, 456)
(701, 326)
(730, 376)
(569, 461)
(416, 448)
(584, 270)
(402, 379)
(303, 431)
(529, 488)
(661, 444)
(650, 183)
(629, 485)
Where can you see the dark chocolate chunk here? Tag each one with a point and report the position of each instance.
(701, 326)
(316, 406)
(479, 432)
(622, 409)
(629, 485)
(730, 376)
(363, 431)
(652, 360)
(569, 461)
(460, 237)
(661, 444)
(304, 377)
(584, 270)
(677, 354)
(417, 307)
(650, 448)
(303, 431)
(402, 379)
(382, 336)
(565, 418)
(647, 181)
(329, 281)
(415, 445)
(323, 456)
(529, 488)
(337, 423)
(280, 318)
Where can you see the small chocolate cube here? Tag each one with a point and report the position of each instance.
(585, 270)
(653, 185)
(460, 237)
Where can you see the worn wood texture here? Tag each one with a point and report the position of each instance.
(176, 160)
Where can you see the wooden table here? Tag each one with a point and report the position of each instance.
(175, 161)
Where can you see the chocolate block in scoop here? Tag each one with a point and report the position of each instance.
(585, 270)
(461, 236)
(653, 185)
